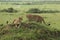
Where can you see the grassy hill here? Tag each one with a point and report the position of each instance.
(35, 31)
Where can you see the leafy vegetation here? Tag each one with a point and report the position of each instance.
(36, 10)
(9, 10)
(34, 31)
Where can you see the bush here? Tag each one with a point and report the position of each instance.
(10, 10)
(36, 10)
(33, 10)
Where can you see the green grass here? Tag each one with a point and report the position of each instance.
(52, 18)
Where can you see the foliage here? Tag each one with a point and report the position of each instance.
(33, 10)
(36, 10)
(9, 10)
(33, 31)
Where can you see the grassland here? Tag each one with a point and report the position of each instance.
(52, 18)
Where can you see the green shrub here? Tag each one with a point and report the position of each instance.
(33, 31)
(10, 10)
(36, 10)
(33, 10)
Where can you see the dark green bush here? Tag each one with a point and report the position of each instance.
(33, 10)
(10, 10)
(36, 10)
